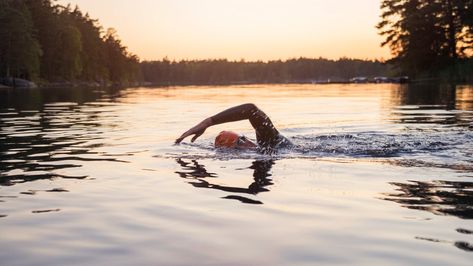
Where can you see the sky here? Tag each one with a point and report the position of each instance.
(242, 29)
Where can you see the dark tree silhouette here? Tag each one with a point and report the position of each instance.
(222, 71)
(41, 40)
(429, 38)
(19, 50)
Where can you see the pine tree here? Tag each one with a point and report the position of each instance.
(427, 36)
(19, 50)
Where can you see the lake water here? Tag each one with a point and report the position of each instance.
(381, 174)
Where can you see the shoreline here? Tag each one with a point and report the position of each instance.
(82, 84)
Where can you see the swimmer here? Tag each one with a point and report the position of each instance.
(268, 137)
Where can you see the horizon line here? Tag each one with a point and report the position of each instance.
(166, 58)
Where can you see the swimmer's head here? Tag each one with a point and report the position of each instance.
(229, 139)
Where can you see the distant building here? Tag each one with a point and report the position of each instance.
(381, 80)
(359, 80)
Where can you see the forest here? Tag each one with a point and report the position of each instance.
(222, 71)
(46, 42)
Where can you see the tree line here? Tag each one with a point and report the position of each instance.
(430, 38)
(43, 41)
(50, 43)
(223, 71)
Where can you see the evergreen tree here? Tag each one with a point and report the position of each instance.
(92, 56)
(115, 56)
(19, 50)
(427, 36)
(46, 24)
(40, 39)
(68, 58)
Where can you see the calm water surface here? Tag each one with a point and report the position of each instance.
(380, 175)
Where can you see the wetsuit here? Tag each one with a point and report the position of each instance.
(267, 136)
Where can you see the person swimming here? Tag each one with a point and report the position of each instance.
(268, 137)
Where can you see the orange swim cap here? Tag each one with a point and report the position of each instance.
(226, 139)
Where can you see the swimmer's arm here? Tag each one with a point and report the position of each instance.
(197, 130)
(259, 120)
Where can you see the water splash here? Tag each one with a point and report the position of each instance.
(422, 148)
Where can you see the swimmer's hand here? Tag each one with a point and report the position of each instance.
(197, 131)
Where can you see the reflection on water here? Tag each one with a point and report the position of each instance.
(198, 176)
(438, 197)
(35, 144)
(427, 94)
(431, 103)
(459, 244)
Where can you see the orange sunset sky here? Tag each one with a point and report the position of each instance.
(242, 29)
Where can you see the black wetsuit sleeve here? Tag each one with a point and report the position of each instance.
(266, 133)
